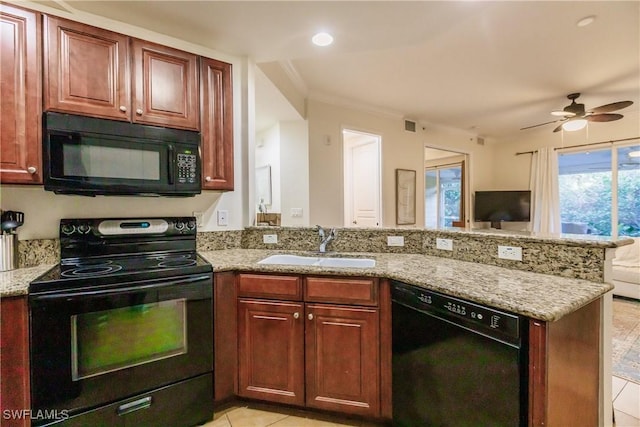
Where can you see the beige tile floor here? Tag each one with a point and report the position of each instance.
(626, 404)
(259, 415)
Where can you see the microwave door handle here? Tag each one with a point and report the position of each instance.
(172, 165)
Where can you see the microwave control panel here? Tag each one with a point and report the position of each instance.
(187, 168)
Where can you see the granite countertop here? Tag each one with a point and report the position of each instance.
(539, 296)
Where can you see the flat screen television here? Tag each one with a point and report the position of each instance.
(498, 206)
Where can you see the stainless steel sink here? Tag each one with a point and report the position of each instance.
(319, 261)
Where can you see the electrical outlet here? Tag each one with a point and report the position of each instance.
(444, 244)
(270, 239)
(223, 217)
(513, 253)
(198, 216)
(296, 212)
(395, 240)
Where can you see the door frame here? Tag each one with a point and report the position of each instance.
(347, 162)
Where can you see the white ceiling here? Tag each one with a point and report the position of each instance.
(488, 67)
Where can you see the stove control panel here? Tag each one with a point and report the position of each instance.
(76, 228)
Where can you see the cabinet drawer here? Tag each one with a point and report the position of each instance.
(341, 290)
(270, 286)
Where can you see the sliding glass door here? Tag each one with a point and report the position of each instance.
(443, 196)
(600, 191)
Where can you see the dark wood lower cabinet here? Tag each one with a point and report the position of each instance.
(342, 359)
(225, 337)
(270, 351)
(14, 362)
(564, 366)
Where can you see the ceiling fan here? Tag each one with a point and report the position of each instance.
(574, 116)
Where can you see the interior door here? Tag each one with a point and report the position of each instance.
(362, 180)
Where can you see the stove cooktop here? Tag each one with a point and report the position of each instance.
(81, 273)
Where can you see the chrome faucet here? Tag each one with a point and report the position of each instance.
(325, 237)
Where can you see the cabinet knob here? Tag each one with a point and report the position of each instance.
(32, 170)
(310, 316)
(208, 179)
(296, 315)
(123, 108)
(139, 111)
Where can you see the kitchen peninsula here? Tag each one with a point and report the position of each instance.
(564, 295)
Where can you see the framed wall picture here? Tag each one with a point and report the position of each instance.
(405, 196)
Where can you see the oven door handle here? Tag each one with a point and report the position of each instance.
(136, 405)
(110, 291)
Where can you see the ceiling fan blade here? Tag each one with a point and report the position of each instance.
(542, 124)
(606, 117)
(607, 108)
(558, 129)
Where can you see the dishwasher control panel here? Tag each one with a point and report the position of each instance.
(488, 321)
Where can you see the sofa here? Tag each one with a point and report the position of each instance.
(626, 270)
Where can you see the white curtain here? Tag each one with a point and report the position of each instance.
(545, 198)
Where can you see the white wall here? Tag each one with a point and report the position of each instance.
(400, 150)
(294, 171)
(43, 209)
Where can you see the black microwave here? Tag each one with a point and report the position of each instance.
(90, 156)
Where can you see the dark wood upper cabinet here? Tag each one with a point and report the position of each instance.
(86, 70)
(20, 103)
(165, 86)
(100, 73)
(217, 124)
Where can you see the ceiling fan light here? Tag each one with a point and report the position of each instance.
(572, 125)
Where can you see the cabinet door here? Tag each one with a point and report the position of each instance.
(165, 86)
(343, 359)
(270, 351)
(20, 103)
(225, 336)
(14, 359)
(217, 125)
(86, 71)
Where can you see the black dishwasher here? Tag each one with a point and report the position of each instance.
(456, 363)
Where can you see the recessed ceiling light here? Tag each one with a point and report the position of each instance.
(322, 39)
(587, 20)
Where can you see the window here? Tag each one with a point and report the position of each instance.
(600, 191)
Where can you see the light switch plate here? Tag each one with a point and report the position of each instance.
(513, 253)
(444, 244)
(296, 212)
(270, 239)
(395, 240)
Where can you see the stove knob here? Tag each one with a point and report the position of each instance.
(179, 225)
(68, 229)
(84, 228)
(191, 225)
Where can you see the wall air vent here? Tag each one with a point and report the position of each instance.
(410, 126)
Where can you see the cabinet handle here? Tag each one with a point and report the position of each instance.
(296, 315)
(32, 170)
(123, 108)
(208, 179)
(139, 111)
(310, 316)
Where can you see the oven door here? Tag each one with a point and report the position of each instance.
(94, 346)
